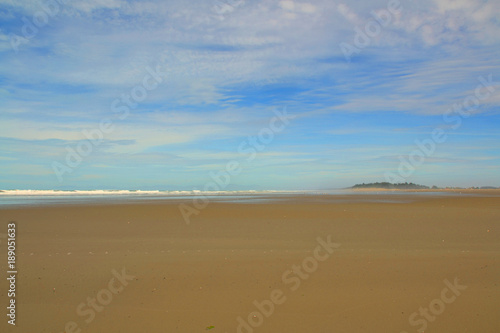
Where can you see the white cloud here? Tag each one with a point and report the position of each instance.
(88, 6)
(287, 5)
(349, 14)
(308, 8)
(444, 6)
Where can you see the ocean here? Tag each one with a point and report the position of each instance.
(16, 198)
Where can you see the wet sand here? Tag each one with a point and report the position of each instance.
(393, 259)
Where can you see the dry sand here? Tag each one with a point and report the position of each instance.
(393, 259)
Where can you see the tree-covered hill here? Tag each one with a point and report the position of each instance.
(386, 185)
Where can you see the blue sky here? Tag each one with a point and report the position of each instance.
(223, 70)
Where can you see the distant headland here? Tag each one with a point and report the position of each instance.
(391, 186)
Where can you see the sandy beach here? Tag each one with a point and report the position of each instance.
(315, 264)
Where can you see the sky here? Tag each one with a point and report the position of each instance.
(283, 95)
